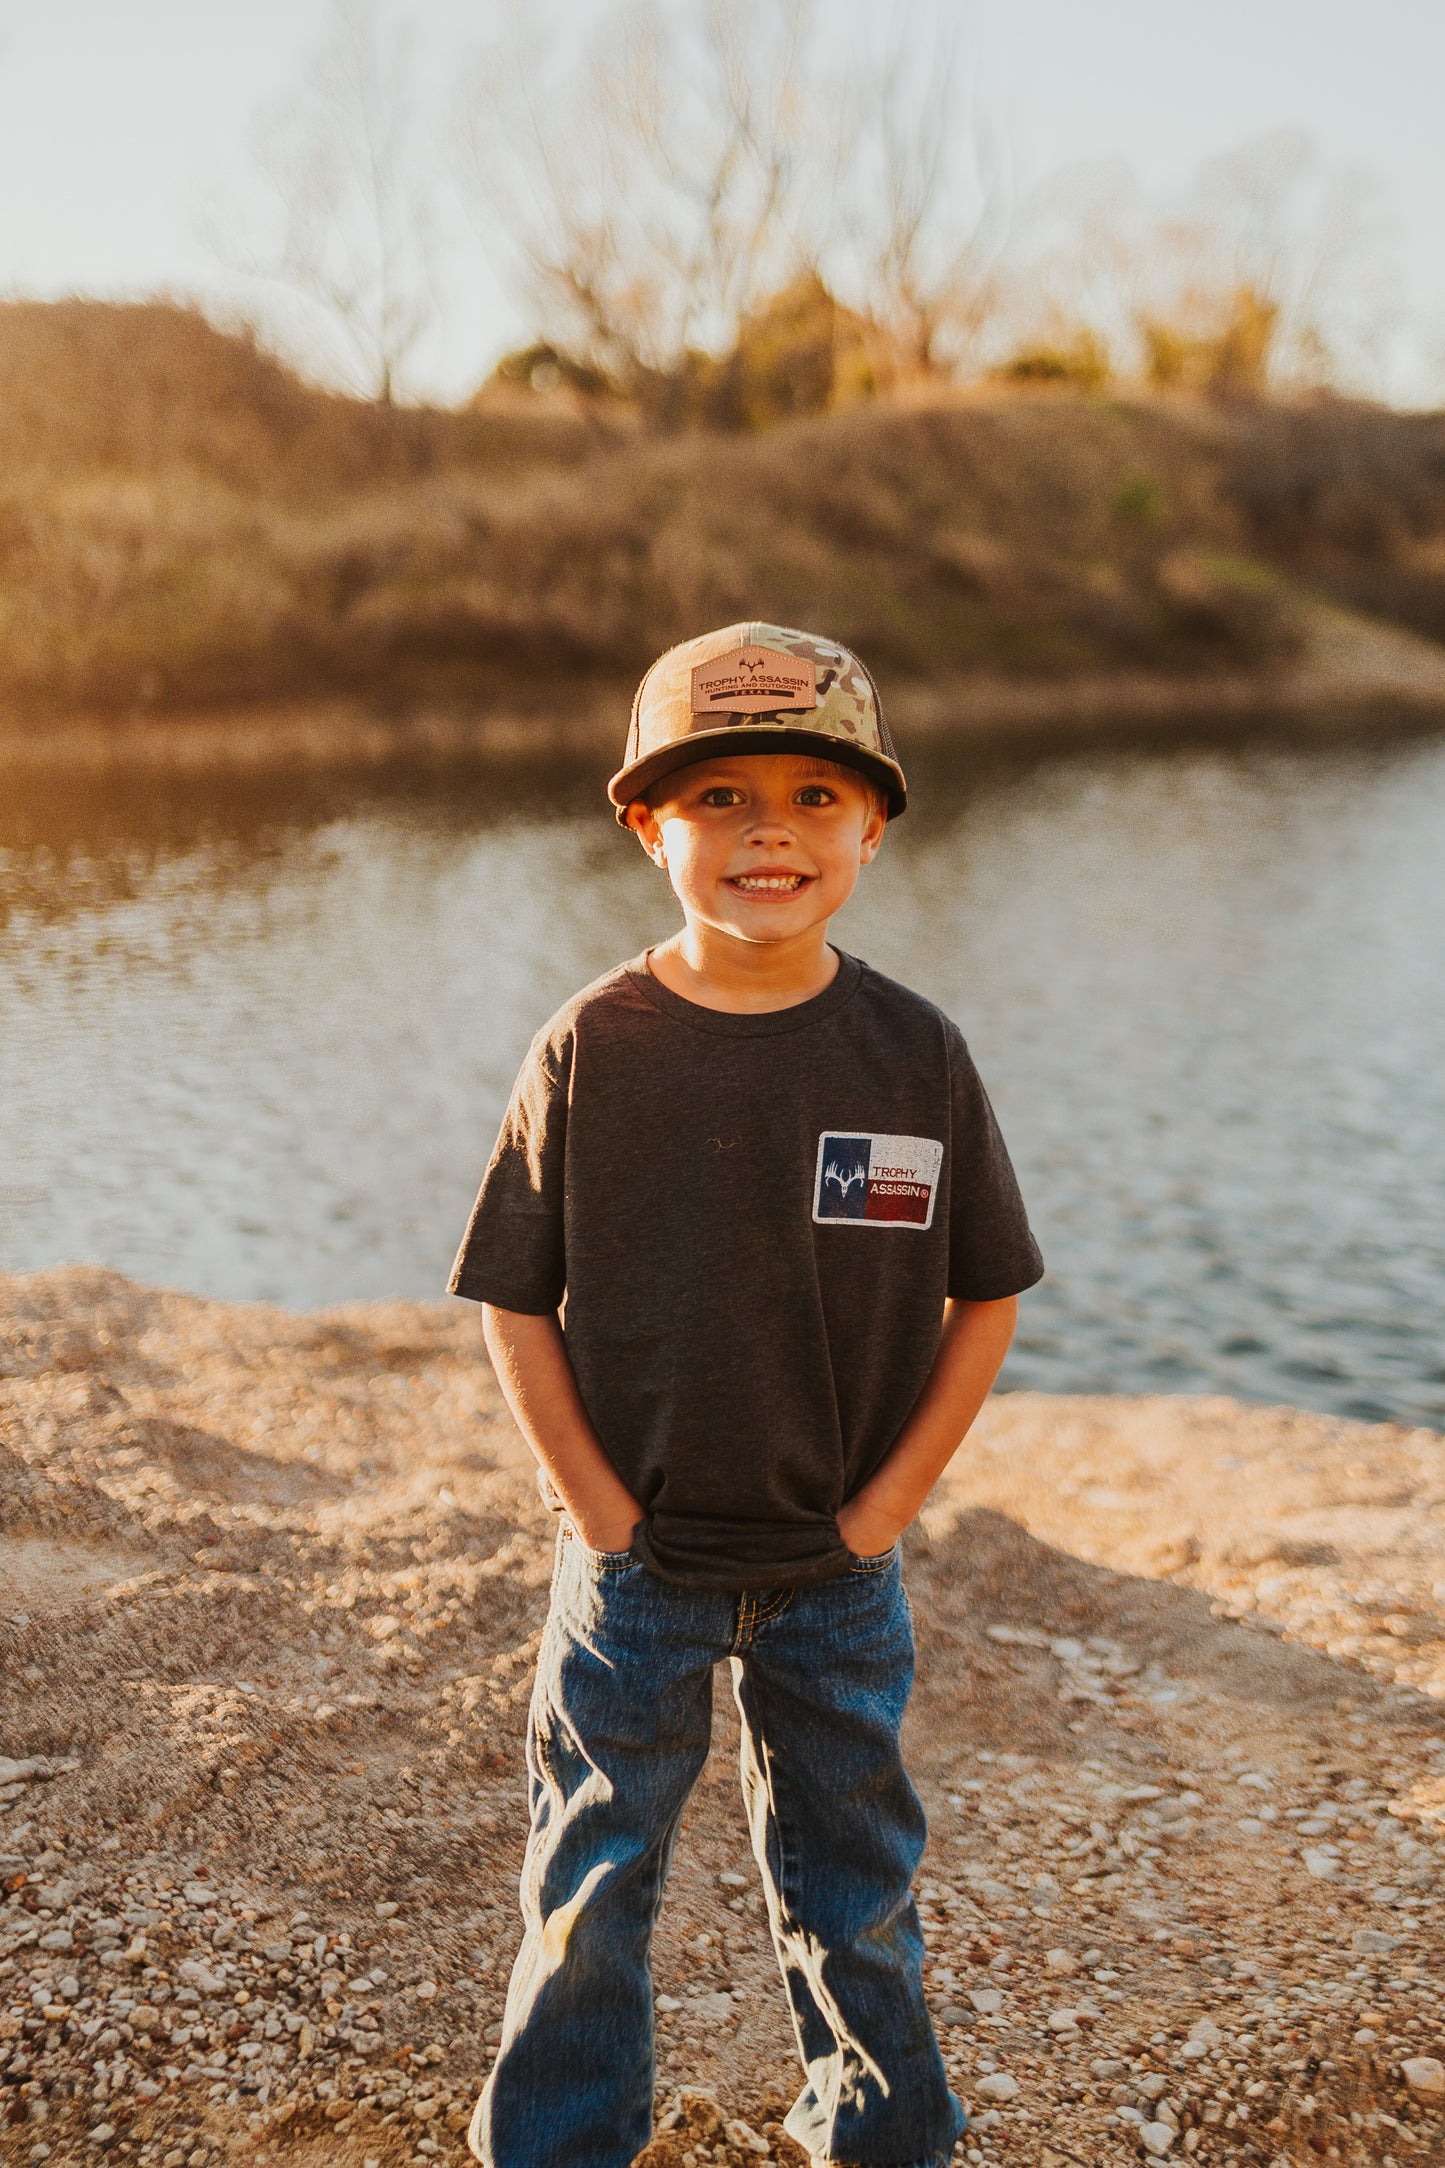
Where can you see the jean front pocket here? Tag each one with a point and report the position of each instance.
(600, 1561)
(879, 1562)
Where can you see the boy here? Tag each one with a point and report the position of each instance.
(770, 1188)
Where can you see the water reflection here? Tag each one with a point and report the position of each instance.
(73, 839)
(254, 1037)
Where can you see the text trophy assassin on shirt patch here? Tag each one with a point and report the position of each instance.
(876, 1180)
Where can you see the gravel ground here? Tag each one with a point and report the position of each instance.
(270, 1590)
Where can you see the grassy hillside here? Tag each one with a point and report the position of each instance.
(185, 523)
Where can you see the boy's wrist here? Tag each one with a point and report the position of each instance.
(606, 1535)
(868, 1528)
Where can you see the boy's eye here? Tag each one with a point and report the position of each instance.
(815, 794)
(721, 794)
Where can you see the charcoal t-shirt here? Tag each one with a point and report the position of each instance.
(755, 1221)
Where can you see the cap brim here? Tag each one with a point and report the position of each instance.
(631, 782)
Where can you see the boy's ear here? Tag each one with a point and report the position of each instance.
(873, 832)
(641, 819)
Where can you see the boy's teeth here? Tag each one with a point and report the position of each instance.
(768, 880)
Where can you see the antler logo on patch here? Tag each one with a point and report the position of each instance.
(845, 1178)
(754, 681)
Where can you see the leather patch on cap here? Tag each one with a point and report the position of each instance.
(754, 681)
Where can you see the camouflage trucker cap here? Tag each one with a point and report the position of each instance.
(757, 689)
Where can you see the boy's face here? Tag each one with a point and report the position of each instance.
(761, 846)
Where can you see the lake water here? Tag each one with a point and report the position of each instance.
(255, 1037)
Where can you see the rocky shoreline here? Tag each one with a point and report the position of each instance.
(270, 1588)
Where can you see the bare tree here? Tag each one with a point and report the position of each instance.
(699, 159)
(1311, 244)
(1080, 243)
(654, 189)
(930, 231)
(1270, 268)
(348, 226)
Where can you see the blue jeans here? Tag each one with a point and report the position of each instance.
(620, 1727)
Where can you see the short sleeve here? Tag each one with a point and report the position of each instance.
(514, 1252)
(991, 1249)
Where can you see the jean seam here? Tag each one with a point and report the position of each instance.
(787, 1914)
(778, 1605)
(544, 1758)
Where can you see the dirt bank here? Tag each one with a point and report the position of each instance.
(191, 532)
(1348, 677)
(271, 1591)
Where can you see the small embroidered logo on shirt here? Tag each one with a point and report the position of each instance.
(876, 1180)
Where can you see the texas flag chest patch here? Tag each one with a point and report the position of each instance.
(873, 1180)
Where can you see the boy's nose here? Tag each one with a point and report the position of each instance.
(771, 825)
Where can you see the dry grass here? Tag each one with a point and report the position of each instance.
(110, 389)
(185, 523)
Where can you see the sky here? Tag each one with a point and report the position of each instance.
(125, 125)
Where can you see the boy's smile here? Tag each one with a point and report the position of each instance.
(764, 881)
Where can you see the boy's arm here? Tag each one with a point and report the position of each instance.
(975, 1340)
(529, 1356)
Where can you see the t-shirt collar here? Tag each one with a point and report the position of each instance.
(752, 1024)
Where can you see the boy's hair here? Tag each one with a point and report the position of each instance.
(657, 793)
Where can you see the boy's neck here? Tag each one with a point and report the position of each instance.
(717, 971)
